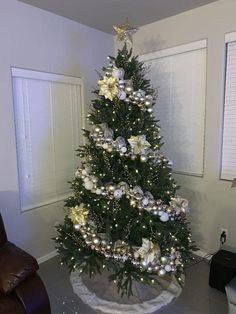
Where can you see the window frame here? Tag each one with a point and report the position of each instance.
(53, 78)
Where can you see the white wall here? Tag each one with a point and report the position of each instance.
(213, 202)
(35, 39)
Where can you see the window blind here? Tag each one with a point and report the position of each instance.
(228, 164)
(48, 119)
(179, 76)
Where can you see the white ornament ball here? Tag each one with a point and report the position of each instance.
(84, 171)
(105, 146)
(145, 201)
(118, 194)
(123, 149)
(168, 268)
(77, 227)
(88, 185)
(122, 95)
(98, 191)
(164, 217)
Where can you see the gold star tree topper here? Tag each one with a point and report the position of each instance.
(124, 32)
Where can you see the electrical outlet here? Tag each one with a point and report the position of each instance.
(223, 235)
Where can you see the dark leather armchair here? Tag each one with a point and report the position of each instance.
(21, 289)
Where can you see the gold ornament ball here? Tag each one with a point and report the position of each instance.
(133, 157)
(129, 89)
(147, 103)
(143, 158)
(132, 202)
(96, 241)
(164, 259)
(162, 272)
(111, 187)
(97, 129)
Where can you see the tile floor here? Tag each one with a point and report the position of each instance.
(196, 298)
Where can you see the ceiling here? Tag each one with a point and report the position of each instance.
(103, 14)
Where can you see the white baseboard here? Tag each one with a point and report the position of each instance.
(46, 257)
(203, 254)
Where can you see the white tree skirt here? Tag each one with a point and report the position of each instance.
(101, 294)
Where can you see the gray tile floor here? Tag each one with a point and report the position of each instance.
(196, 298)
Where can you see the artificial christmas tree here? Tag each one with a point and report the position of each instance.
(124, 215)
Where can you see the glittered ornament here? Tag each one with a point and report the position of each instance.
(118, 194)
(124, 32)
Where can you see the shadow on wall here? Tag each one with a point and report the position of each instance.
(150, 45)
(9, 208)
(194, 214)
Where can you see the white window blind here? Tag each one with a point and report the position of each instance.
(228, 164)
(179, 76)
(48, 119)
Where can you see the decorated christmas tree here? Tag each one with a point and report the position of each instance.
(124, 214)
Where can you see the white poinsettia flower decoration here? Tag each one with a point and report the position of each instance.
(139, 144)
(180, 204)
(148, 252)
(109, 87)
(78, 214)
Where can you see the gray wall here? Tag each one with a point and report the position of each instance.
(213, 202)
(35, 39)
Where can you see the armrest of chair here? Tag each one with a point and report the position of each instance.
(15, 266)
(3, 235)
(33, 295)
